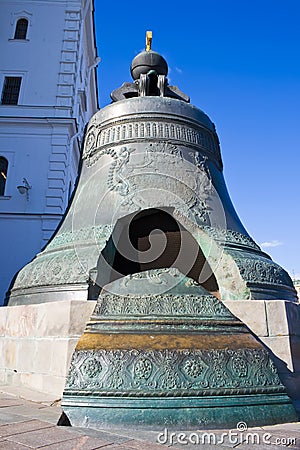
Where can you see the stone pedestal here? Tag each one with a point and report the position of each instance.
(277, 324)
(37, 342)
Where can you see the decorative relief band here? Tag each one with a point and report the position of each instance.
(60, 263)
(161, 305)
(53, 269)
(258, 269)
(227, 237)
(158, 130)
(172, 372)
(94, 234)
(262, 270)
(253, 267)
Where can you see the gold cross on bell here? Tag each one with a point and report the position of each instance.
(148, 40)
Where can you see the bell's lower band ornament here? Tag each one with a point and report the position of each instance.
(175, 359)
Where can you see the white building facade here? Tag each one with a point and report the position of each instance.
(48, 89)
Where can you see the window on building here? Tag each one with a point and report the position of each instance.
(11, 90)
(70, 191)
(3, 174)
(82, 96)
(21, 29)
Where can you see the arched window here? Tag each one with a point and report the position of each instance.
(3, 174)
(21, 29)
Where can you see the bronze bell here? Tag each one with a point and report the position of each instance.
(152, 235)
(151, 151)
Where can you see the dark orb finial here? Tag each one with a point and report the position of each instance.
(148, 60)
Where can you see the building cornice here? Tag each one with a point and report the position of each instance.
(58, 121)
(34, 111)
(33, 216)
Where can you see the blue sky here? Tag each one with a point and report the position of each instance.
(239, 61)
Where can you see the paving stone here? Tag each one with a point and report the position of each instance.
(194, 447)
(284, 438)
(21, 427)
(47, 414)
(7, 396)
(6, 402)
(270, 439)
(136, 434)
(23, 410)
(262, 447)
(35, 405)
(120, 447)
(197, 438)
(286, 427)
(23, 418)
(47, 436)
(286, 434)
(6, 418)
(142, 445)
(81, 443)
(6, 445)
(105, 435)
(26, 393)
